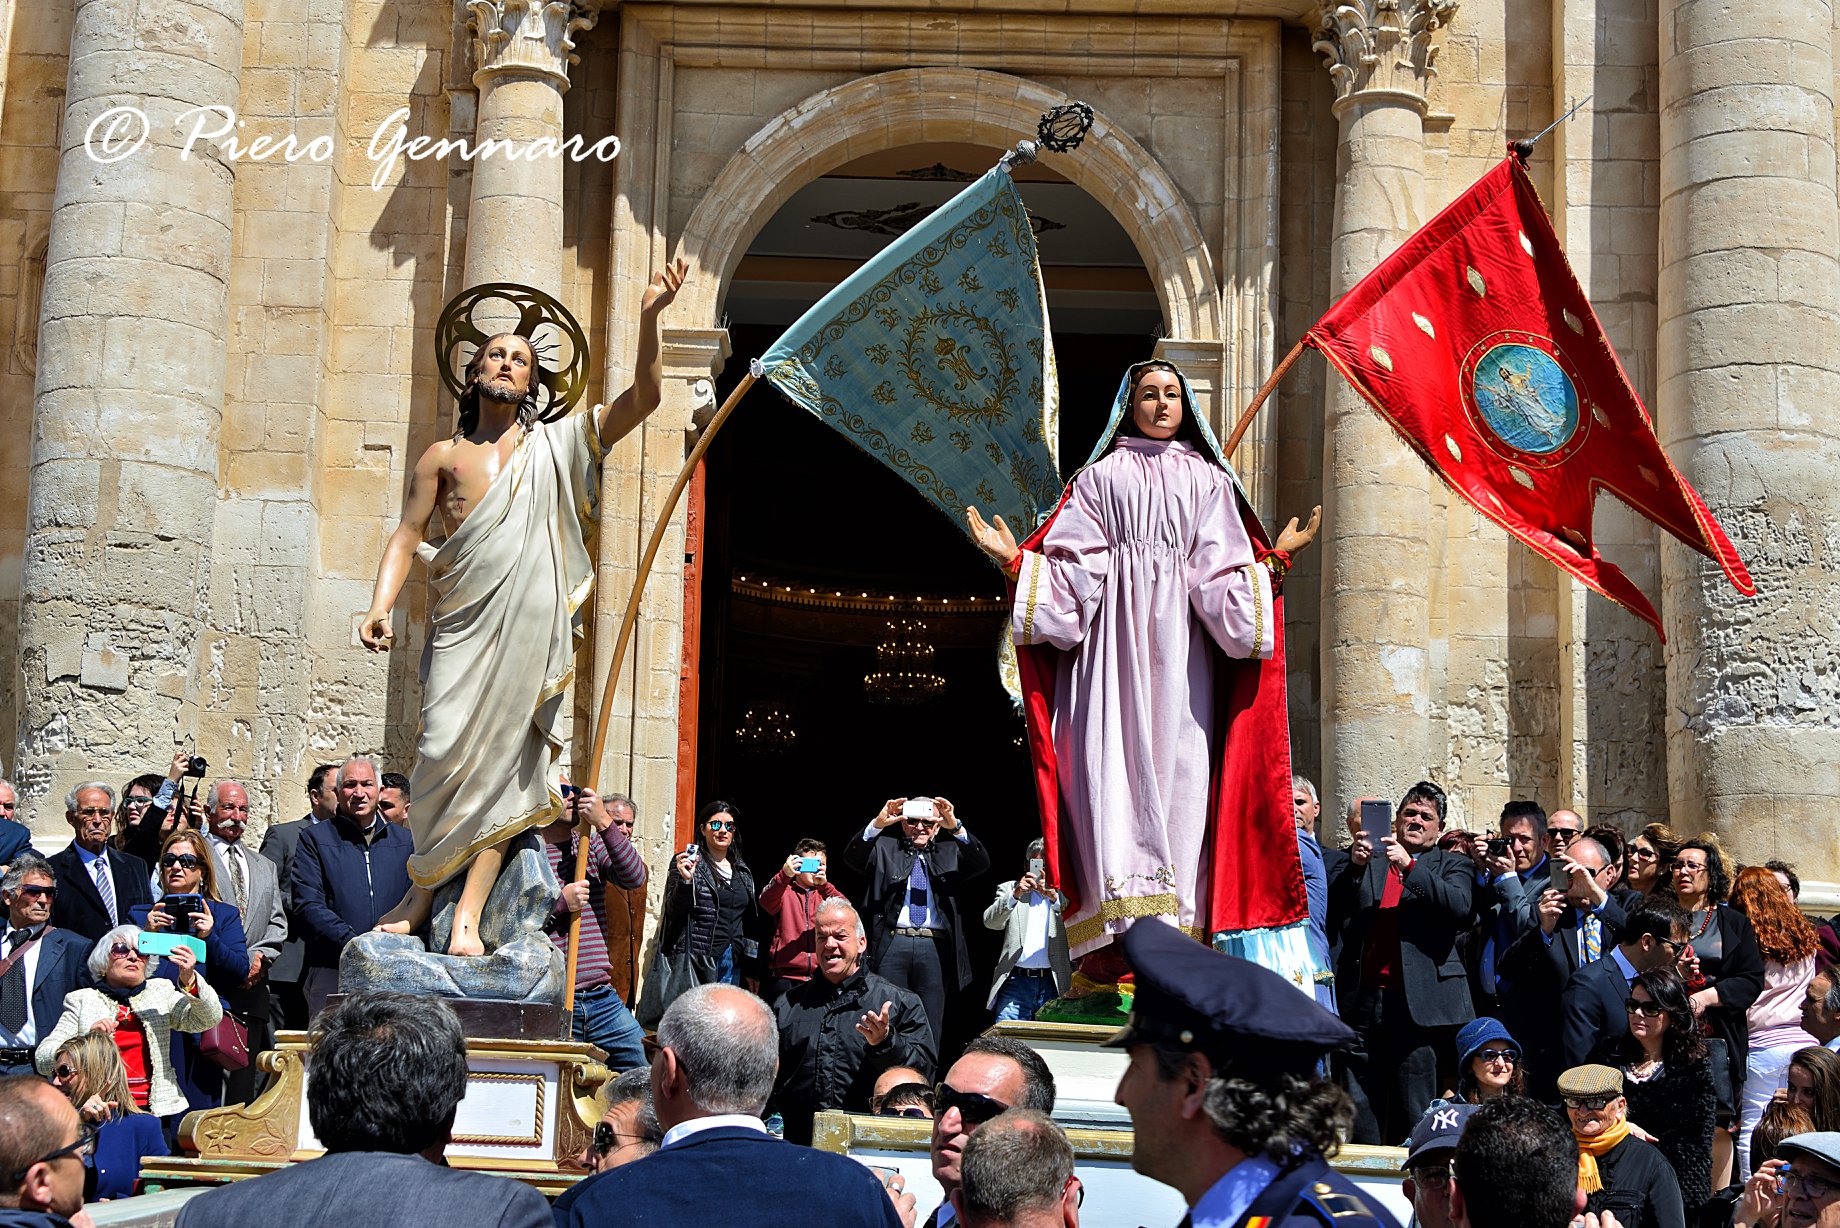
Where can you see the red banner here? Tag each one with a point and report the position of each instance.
(1477, 343)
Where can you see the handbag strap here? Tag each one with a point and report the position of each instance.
(6, 965)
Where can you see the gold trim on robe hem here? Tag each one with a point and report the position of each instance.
(1164, 904)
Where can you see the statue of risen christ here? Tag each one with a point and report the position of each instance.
(519, 500)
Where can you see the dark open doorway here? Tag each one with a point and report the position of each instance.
(814, 556)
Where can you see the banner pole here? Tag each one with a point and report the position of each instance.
(592, 776)
(1265, 390)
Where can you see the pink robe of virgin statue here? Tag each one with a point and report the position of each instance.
(1145, 564)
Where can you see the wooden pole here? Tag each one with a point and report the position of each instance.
(627, 622)
(1258, 400)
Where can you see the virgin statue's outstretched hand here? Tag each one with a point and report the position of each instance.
(1291, 539)
(1000, 544)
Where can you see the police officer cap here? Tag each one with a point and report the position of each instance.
(1195, 997)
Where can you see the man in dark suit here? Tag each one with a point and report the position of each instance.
(1575, 927)
(1402, 984)
(389, 1070)
(278, 845)
(97, 885)
(917, 856)
(41, 963)
(15, 837)
(1591, 1008)
(718, 1050)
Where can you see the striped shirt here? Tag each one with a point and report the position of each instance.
(611, 858)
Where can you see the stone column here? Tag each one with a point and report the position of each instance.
(1748, 358)
(522, 50)
(128, 402)
(1376, 553)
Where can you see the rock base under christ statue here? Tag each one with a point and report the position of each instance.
(521, 964)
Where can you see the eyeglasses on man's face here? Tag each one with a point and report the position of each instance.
(1812, 1185)
(606, 1138)
(1590, 1103)
(974, 1108)
(1564, 835)
(1433, 1176)
(82, 1149)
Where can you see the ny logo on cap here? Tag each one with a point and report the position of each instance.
(1444, 1119)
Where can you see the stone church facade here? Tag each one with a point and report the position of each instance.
(217, 366)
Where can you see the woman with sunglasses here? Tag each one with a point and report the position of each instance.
(139, 1013)
(1668, 1081)
(1618, 1171)
(136, 796)
(1723, 968)
(1648, 862)
(142, 827)
(1488, 1064)
(88, 1069)
(185, 869)
(710, 904)
(1789, 945)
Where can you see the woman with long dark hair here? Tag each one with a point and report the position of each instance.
(1813, 1084)
(710, 901)
(1789, 944)
(1724, 974)
(1668, 1080)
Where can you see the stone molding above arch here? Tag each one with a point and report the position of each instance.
(891, 109)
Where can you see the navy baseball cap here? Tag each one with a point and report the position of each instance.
(1438, 1130)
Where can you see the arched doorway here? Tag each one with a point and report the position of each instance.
(848, 630)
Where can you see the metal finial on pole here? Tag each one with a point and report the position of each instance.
(1060, 131)
(1523, 148)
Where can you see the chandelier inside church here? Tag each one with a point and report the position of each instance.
(766, 729)
(903, 672)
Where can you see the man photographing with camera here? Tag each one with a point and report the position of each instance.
(917, 855)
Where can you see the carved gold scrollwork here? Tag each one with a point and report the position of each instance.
(264, 1129)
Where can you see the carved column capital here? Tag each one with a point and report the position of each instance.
(530, 38)
(1381, 50)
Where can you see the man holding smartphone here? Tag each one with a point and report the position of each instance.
(1034, 967)
(1405, 987)
(916, 854)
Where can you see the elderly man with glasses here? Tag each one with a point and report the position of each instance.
(917, 856)
(39, 964)
(1617, 1171)
(97, 884)
(1800, 1188)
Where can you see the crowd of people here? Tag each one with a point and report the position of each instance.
(1681, 1011)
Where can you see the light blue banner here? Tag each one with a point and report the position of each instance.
(935, 358)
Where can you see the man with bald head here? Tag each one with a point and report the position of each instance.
(43, 1145)
(248, 880)
(712, 1071)
(843, 1027)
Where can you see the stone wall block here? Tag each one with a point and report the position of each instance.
(67, 495)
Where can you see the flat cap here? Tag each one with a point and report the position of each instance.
(1190, 995)
(1821, 1145)
(1438, 1130)
(1591, 1081)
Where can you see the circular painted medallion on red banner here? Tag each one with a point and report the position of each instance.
(1523, 396)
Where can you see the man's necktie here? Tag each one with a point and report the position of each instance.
(239, 889)
(13, 989)
(1593, 940)
(100, 867)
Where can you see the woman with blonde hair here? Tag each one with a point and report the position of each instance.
(88, 1069)
(1789, 944)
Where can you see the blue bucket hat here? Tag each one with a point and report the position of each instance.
(1479, 1032)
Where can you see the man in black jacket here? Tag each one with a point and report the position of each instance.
(843, 1027)
(96, 884)
(917, 856)
(1403, 985)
